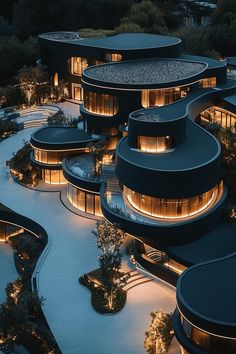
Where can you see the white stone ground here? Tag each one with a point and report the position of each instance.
(77, 328)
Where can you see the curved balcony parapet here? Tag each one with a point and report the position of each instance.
(152, 231)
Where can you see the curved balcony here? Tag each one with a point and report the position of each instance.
(79, 171)
(152, 231)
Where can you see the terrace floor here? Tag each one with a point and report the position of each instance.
(75, 325)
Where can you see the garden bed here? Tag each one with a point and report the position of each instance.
(93, 282)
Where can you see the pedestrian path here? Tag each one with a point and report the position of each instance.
(73, 252)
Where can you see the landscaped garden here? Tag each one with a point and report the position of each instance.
(21, 318)
(22, 168)
(106, 283)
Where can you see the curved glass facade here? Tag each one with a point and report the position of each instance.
(224, 118)
(161, 97)
(153, 144)
(99, 103)
(85, 201)
(53, 177)
(49, 157)
(210, 342)
(173, 208)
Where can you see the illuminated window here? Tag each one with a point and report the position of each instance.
(173, 208)
(84, 201)
(154, 144)
(113, 57)
(53, 177)
(224, 118)
(77, 65)
(208, 82)
(49, 157)
(161, 97)
(210, 342)
(77, 92)
(106, 105)
(55, 80)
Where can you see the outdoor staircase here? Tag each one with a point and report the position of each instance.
(108, 171)
(113, 186)
(34, 123)
(108, 175)
(135, 279)
(155, 255)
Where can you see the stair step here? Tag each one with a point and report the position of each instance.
(145, 280)
(135, 278)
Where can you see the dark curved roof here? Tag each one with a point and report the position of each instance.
(211, 62)
(208, 247)
(145, 72)
(59, 137)
(206, 295)
(189, 155)
(124, 41)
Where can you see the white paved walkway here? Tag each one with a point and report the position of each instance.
(8, 271)
(77, 328)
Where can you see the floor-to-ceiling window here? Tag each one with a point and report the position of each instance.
(77, 65)
(161, 97)
(173, 208)
(53, 177)
(84, 200)
(99, 103)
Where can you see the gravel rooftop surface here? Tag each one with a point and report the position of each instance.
(145, 71)
(61, 36)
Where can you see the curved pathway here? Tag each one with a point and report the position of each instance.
(75, 325)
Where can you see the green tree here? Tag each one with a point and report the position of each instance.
(98, 150)
(147, 16)
(196, 41)
(23, 168)
(10, 95)
(14, 54)
(129, 28)
(7, 127)
(34, 84)
(224, 13)
(160, 333)
(109, 239)
(58, 118)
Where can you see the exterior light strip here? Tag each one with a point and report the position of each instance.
(14, 224)
(60, 150)
(140, 89)
(200, 329)
(83, 189)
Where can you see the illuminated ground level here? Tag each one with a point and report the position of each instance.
(72, 252)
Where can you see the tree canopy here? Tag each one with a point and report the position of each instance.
(146, 16)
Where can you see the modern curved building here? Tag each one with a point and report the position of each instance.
(112, 91)
(66, 54)
(50, 146)
(205, 316)
(165, 186)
